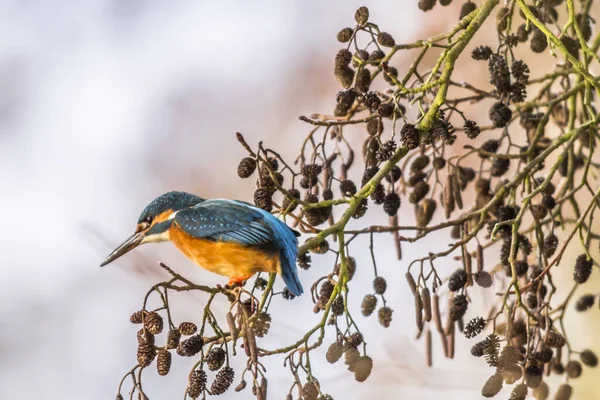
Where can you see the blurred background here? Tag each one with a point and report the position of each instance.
(105, 104)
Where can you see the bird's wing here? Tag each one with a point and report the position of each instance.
(225, 220)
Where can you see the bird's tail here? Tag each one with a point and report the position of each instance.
(287, 242)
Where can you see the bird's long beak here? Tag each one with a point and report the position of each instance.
(131, 243)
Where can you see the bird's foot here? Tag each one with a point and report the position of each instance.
(237, 281)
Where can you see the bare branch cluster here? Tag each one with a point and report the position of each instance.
(514, 188)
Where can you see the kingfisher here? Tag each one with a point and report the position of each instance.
(227, 237)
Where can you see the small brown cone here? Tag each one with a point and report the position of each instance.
(153, 323)
(362, 368)
(334, 352)
(187, 328)
(222, 381)
(146, 354)
(492, 386)
(163, 362)
(136, 317)
(564, 392)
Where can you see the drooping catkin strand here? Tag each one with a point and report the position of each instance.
(479, 257)
(396, 236)
(449, 321)
(418, 311)
(232, 326)
(448, 196)
(411, 282)
(456, 191)
(468, 266)
(444, 340)
(451, 339)
(426, 299)
(428, 348)
(251, 339)
(437, 316)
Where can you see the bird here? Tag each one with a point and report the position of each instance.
(228, 237)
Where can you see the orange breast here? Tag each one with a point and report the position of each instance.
(228, 259)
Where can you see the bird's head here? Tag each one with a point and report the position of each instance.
(154, 222)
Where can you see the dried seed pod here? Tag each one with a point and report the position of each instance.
(533, 376)
(145, 354)
(215, 358)
(474, 327)
(459, 307)
(391, 203)
(426, 5)
(481, 53)
(426, 299)
(574, 369)
(484, 279)
(187, 328)
(190, 346)
(478, 349)
(145, 337)
(424, 212)
(519, 392)
(351, 356)
(334, 352)
(310, 390)
(418, 311)
(137, 317)
(197, 383)
(502, 19)
(368, 305)
(466, 9)
(554, 339)
(246, 167)
(538, 42)
(409, 136)
(542, 391)
(362, 15)
(345, 35)
(173, 338)
(589, 358)
(457, 280)
(223, 381)
(354, 340)
(153, 323)
(362, 368)
(419, 192)
(385, 316)
(585, 302)
(564, 392)
(500, 114)
(163, 362)
(379, 285)
(385, 39)
(583, 269)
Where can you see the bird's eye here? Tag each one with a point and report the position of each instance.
(148, 219)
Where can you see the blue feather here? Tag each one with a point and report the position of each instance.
(239, 222)
(286, 241)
